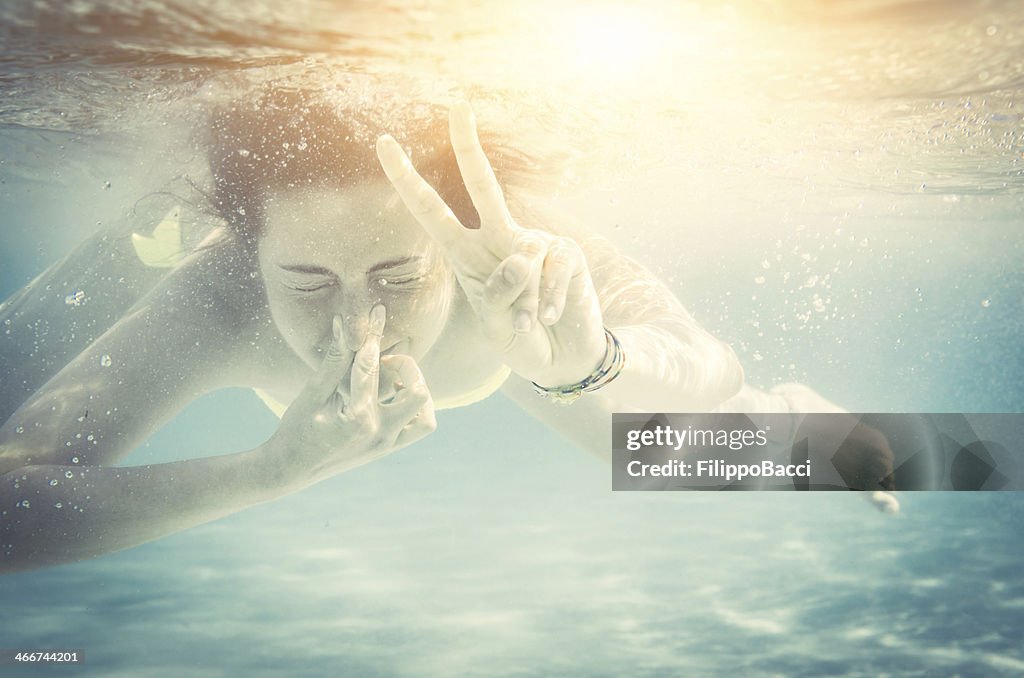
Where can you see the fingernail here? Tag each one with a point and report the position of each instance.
(523, 322)
(377, 316)
(336, 326)
(549, 313)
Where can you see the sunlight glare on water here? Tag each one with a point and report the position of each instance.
(834, 141)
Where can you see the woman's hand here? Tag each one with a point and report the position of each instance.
(531, 291)
(333, 426)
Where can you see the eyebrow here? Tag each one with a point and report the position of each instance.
(380, 266)
(306, 270)
(394, 263)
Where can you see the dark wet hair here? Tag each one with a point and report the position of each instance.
(285, 138)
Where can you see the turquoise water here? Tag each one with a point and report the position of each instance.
(477, 554)
(834, 189)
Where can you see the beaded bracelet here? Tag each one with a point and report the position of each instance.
(611, 366)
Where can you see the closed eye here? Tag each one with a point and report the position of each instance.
(310, 287)
(399, 281)
(305, 278)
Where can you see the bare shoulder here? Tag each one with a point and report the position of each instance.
(217, 286)
(215, 310)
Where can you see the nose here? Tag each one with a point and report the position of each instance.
(353, 327)
(355, 319)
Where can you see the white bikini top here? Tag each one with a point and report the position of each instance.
(486, 388)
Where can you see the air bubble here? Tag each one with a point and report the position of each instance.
(58, 505)
(76, 298)
(69, 474)
(985, 303)
(105, 360)
(53, 483)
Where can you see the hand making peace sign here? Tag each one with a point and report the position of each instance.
(531, 291)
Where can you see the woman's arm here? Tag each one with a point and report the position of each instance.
(672, 364)
(181, 340)
(62, 502)
(56, 513)
(61, 513)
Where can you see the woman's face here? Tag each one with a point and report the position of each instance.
(327, 252)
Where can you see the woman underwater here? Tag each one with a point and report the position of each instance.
(345, 287)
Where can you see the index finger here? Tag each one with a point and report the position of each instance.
(365, 379)
(423, 201)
